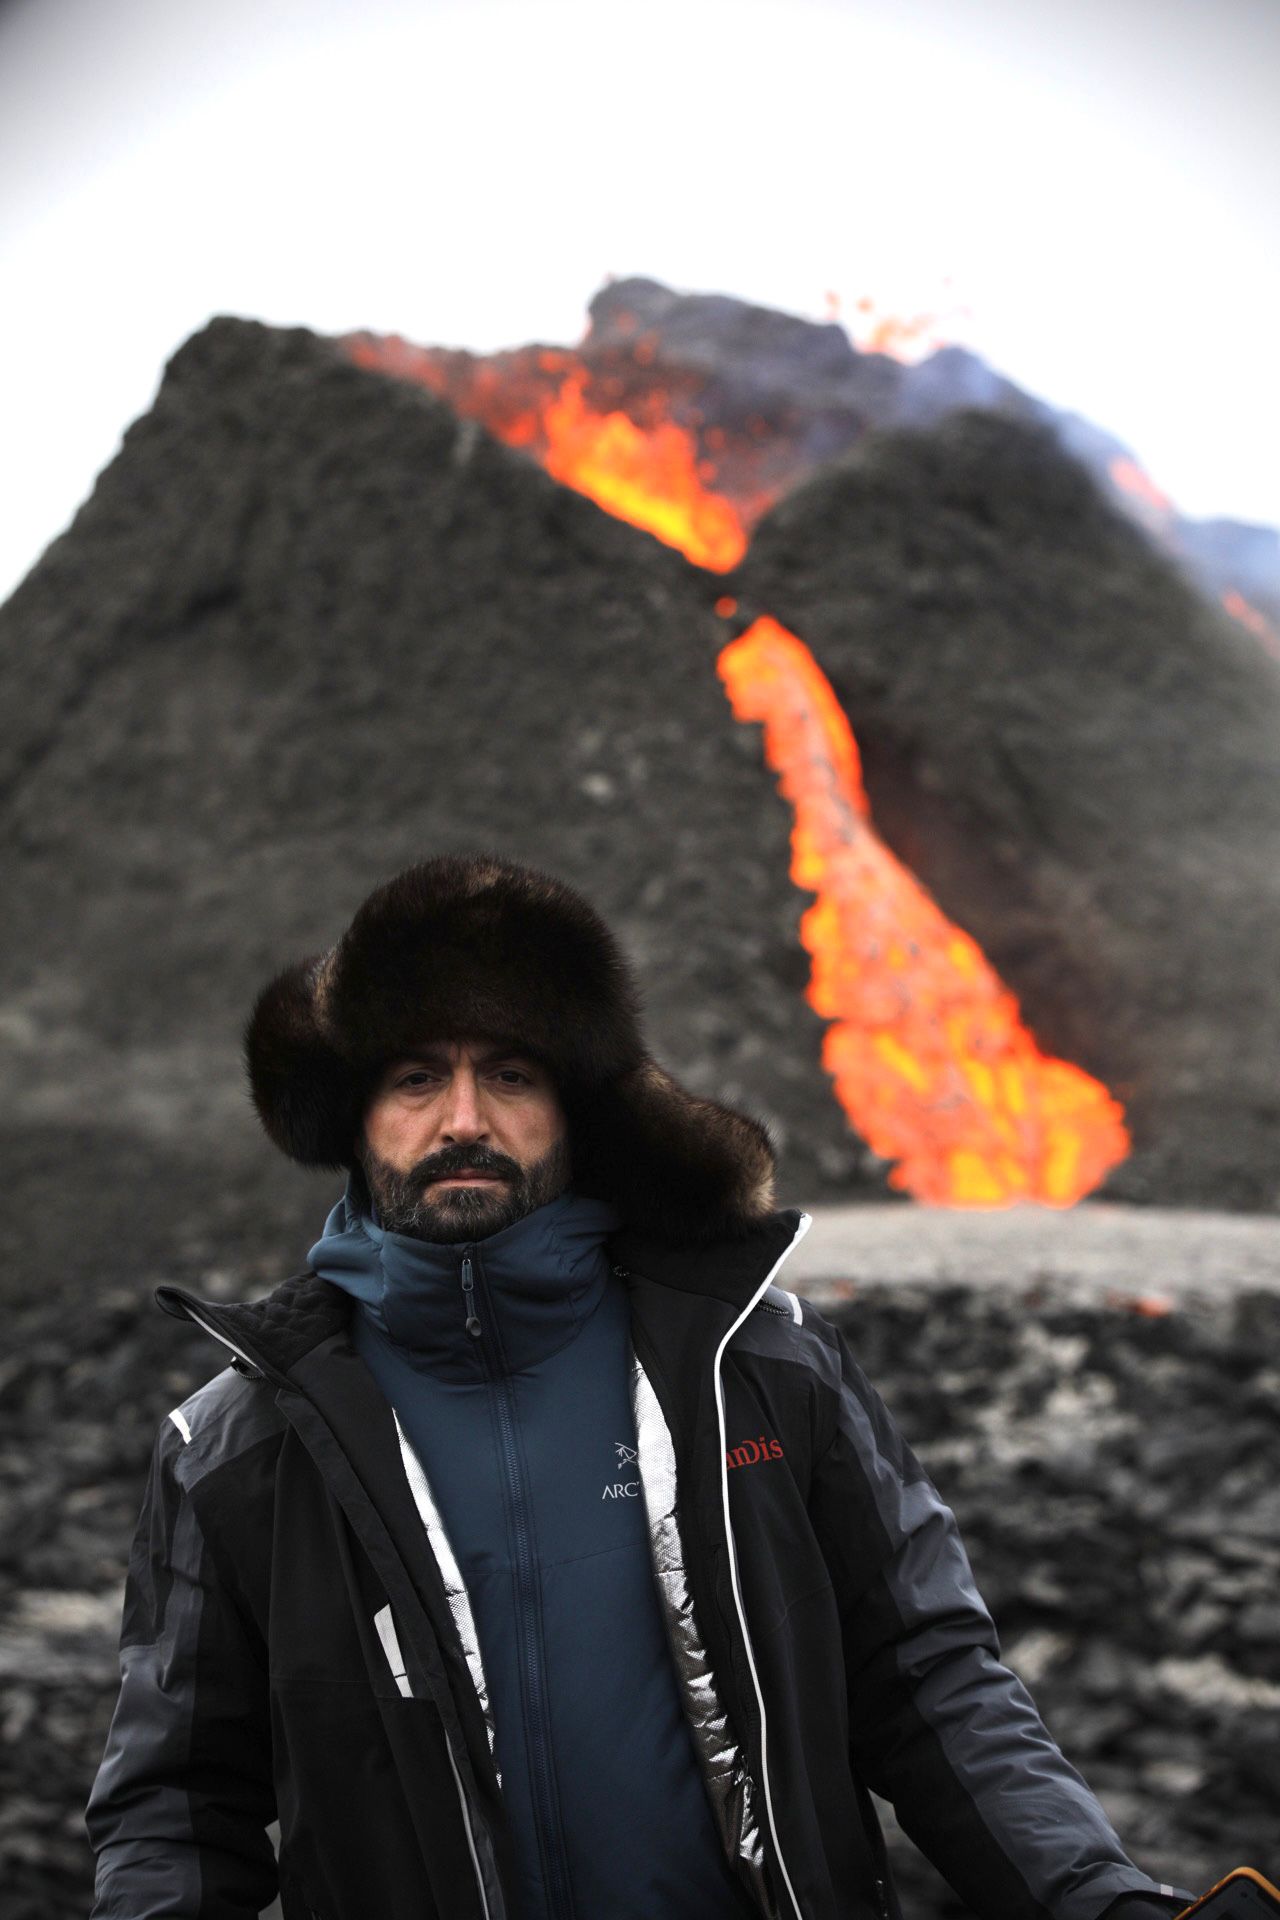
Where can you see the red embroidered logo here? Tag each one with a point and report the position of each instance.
(752, 1450)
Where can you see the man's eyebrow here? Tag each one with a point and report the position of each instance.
(512, 1052)
(419, 1056)
(431, 1056)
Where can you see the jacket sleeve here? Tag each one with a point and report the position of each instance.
(180, 1806)
(938, 1726)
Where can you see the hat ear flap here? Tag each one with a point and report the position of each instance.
(303, 1090)
(685, 1167)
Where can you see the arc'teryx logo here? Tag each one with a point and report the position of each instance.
(752, 1451)
(622, 1489)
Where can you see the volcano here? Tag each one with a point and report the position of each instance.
(318, 620)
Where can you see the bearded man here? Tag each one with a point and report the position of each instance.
(539, 1556)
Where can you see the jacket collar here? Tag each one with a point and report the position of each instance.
(713, 1282)
(729, 1270)
(536, 1282)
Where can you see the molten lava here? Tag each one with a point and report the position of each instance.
(905, 337)
(1249, 616)
(1134, 480)
(652, 476)
(929, 1057)
(649, 476)
(928, 1054)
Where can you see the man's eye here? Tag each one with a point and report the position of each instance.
(512, 1077)
(416, 1079)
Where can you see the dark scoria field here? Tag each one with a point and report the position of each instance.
(1116, 1474)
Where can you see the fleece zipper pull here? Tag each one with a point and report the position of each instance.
(469, 1297)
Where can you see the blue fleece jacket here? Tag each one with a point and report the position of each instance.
(526, 1436)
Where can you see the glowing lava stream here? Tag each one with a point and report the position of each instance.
(649, 477)
(929, 1057)
(926, 1048)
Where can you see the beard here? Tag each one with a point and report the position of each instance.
(462, 1213)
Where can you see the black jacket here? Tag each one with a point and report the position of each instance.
(294, 1648)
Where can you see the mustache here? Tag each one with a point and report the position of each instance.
(477, 1159)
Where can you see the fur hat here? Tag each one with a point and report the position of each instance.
(479, 948)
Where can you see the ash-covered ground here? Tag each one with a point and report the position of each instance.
(1101, 1407)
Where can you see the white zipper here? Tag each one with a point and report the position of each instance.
(806, 1221)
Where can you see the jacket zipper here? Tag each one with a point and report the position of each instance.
(756, 1300)
(537, 1712)
(469, 1297)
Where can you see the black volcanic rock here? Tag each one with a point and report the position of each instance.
(1076, 755)
(719, 336)
(311, 627)
(804, 379)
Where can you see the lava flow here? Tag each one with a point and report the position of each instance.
(651, 476)
(928, 1054)
(1257, 623)
(647, 476)
(1130, 478)
(929, 1057)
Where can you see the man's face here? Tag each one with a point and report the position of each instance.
(461, 1139)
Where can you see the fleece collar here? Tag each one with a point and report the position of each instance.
(534, 1284)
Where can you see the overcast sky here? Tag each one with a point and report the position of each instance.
(1097, 182)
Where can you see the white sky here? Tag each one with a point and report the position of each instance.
(1098, 179)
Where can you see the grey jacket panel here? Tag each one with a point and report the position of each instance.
(222, 1419)
(991, 1799)
(771, 1333)
(177, 1830)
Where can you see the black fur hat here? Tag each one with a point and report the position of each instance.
(479, 948)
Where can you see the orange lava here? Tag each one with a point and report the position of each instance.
(651, 476)
(1248, 615)
(1136, 481)
(909, 337)
(928, 1054)
(648, 476)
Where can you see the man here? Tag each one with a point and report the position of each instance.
(538, 1556)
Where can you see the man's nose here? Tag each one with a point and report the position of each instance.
(464, 1117)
